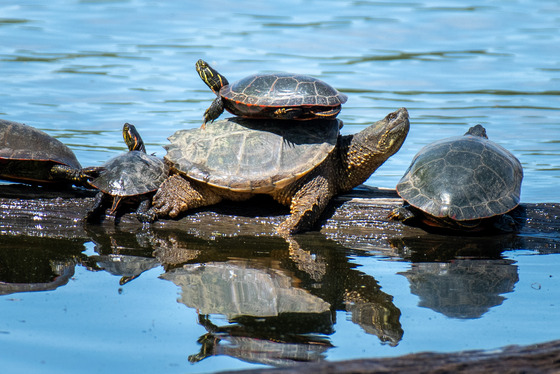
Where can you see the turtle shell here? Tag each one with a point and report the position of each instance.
(463, 178)
(262, 93)
(132, 173)
(247, 155)
(28, 154)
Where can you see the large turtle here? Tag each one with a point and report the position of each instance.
(278, 95)
(465, 183)
(31, 156)
(133, 176)
(299, 166)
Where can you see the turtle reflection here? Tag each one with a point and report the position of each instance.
(29, 264)
(459, 277)
(122, 254)
(280, 298)
(271, 318)
(280, 346)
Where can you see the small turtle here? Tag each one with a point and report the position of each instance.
(31, 156)
(134, 176)
(465, 183)
(299, 166)
(279, 96)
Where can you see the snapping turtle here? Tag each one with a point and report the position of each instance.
(465, 183)
(134, 175)
(29, 155)
(299, 166)
(278, 95)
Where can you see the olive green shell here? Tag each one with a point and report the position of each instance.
(246, 155)
(132, 173)
(463, 178)
(28, 154)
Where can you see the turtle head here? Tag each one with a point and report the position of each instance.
(477, 130)
(365, 151)
(211, 77)
(132, 138)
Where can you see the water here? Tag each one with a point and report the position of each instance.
(80, 69)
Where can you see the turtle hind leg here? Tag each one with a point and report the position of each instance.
(214, 111)
(307, 205)
(178, 194)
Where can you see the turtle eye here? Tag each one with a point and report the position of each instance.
(392, 116)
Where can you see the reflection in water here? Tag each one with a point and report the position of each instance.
(279, 297)
(236, 288)
(122, 254)
(460, 287)
(30, 264)
(128, 267)
(276, 341)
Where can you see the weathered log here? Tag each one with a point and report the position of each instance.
(359, 217)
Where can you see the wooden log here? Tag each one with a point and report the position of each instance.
(359, 218)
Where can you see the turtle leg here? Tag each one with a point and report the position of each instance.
(402, 213)
(178, 194)
(93, 215)
(214, 111)
(143, 213)
(327, 113)
(79, 177)
(288, 113)
(307, 205)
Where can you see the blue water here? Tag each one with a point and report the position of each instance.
(80, 69)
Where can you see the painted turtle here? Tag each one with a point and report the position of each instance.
(278, 96)
(465, 183)
(299, 166)
(31, 156)
(134, 176)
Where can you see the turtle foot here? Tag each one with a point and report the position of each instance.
(177, 195)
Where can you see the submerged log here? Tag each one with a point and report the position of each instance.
(537, 358)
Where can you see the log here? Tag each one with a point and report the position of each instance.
(359, 217)
(537, 358)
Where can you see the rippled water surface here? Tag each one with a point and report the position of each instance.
(80, 69)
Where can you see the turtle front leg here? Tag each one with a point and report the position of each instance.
(307, 205)
(93, 215)
(78, 177)
(214, 111)
(402, 213)
(178, 194)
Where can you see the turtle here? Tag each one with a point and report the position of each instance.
(302, 167)
(32, 156)
(133, 176)
(277, 96)
(465, 183)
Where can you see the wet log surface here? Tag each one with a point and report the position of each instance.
(357, 220)
(359, 217)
